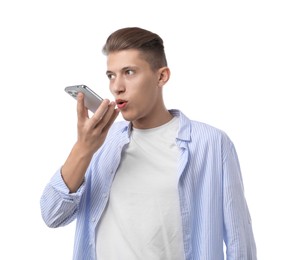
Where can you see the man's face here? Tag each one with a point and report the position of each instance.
(134, 86)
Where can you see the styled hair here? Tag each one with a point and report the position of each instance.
(149, 44)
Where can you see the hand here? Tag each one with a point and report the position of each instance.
(92, 131)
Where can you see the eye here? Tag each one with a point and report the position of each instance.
(110, 76)
(129, 72)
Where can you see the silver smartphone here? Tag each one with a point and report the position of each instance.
(91, 100)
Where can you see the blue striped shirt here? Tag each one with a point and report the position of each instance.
(212, 201)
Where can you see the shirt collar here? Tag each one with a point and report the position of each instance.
(184, 132)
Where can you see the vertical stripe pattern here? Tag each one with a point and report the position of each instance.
(213, 206)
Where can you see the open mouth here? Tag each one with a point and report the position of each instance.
(121, 103)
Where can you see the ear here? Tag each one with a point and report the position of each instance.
(163, 76)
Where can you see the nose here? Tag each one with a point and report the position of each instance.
(117, 86)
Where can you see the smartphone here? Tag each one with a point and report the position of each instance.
(91, 100)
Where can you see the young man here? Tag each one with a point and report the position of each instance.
(156, 186)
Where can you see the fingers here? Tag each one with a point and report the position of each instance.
(103, 114)
(82, 112)
(111, 120)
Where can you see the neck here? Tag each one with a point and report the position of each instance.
(158, 120)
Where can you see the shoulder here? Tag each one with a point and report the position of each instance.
(200, 136)
(193, 129)
(206, 130)
(210, 138)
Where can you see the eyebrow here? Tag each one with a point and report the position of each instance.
(123, 69)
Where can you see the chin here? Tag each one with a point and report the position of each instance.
(131, 117)
(126, 116)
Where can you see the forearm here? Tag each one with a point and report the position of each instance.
(239, 236)
(91, 135)
(237, 221)
(74, 169)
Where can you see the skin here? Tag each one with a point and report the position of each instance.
(132, 81)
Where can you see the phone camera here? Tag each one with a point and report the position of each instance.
(73, 93)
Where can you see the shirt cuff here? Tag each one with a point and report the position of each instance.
(59, 185)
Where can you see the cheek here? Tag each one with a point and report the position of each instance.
(147, 98)
(112, 92)
(111, 86)
(144, 92)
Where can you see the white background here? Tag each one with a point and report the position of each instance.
(232, 65)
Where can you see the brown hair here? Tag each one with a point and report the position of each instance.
(148, 43)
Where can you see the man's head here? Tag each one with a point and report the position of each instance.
(149, 44)
(137, 71)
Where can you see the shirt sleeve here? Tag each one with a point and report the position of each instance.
(239, 239)
(58, 205)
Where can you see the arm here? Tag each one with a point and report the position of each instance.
(239, 237)
(91, 135)
(61, 197)
(58, 205)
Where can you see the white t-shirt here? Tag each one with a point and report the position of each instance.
(142, 219)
